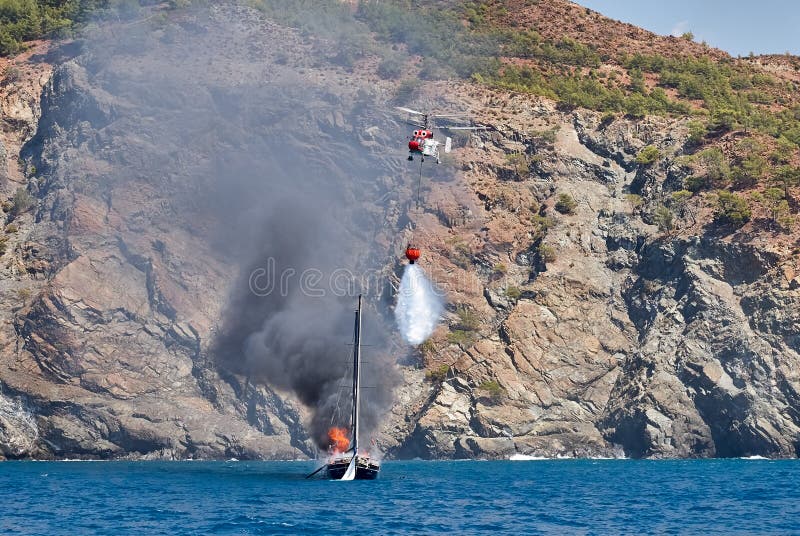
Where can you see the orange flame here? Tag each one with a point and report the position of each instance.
(339, 439)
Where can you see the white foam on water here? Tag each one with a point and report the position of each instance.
(419, 306)
(526, 458)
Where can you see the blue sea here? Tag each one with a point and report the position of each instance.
(413, 497)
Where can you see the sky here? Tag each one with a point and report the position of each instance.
(736, 26)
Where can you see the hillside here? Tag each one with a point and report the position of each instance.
(619, 251)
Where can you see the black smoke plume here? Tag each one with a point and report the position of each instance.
(260, 164)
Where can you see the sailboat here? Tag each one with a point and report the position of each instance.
(352, 464)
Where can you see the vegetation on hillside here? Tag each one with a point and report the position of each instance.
(26, 20)
(744, 128)
(473, 40)
(465, 39)
(566, 204)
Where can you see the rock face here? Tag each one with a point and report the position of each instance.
(627, 341)
(583, 334)
(712, 375)
(149, 154)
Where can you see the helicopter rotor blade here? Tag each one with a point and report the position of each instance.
(467, 128)
(408, 110)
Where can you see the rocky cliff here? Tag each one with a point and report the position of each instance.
(581, 332)
(626, 339)
(153, 160)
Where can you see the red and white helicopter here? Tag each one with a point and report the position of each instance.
(422, 141)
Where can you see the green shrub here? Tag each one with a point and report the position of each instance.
(346, 57)
(724, 119)
(437, 375)
(786, 177)
(731, 209)
(681, 197)
(24, 20)
(461, 337)
(717, 169)
(427, 347)
(679, 201)
(518, 162)
(776, 203)
(493, 389)
(22, 202)
(467, 319)
(637, 82)
(547, 253)
(11, 228)
(513, 293)
(607, 119)
(500, 268)
(634, 200)
(695, 183)
(713, 170)
(542, 223)
(460, 255)
(11, 74)
(548, 136)
(749, 172)
(784, 149)
(391, 67)
(431, 69)
(566, 204)
(697, 132)
(648, 155)
(635, 105)
(665, 219)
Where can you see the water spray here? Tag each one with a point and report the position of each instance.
(419, 306)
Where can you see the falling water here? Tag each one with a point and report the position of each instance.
(419, 306)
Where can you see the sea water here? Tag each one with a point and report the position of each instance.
(416, 497)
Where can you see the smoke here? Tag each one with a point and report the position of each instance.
(419, 307)
(225, 158)
(296, 339)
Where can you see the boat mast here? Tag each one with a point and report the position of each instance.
(356, 375)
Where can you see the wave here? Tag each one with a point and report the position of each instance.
(527, 458)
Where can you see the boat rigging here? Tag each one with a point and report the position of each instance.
(353, 464)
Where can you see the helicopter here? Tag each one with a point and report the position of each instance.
(422, 141)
